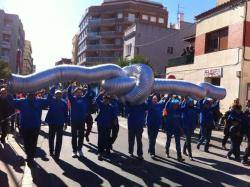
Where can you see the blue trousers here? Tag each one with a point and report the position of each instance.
(177, 142)
(135, 133)
(206, 133)
(152, 135)
(187, 144)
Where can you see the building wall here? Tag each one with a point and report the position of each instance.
(154, 42)
(16, 42)
(230, 60)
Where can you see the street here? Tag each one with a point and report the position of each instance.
(118, 169)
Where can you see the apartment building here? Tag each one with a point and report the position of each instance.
(222, 51)
(27, 67)
(102, 28)
(157, 44)
(12, 39)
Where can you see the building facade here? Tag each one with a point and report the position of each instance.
(12, 39)
(63, 61)
(222, 51)
(156, 44)
(102, 28)
(27, 59)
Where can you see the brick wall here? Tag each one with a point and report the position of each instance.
(200, 44)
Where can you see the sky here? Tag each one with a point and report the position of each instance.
(51, 24)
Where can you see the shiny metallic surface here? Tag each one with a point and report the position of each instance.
(144, 84)
(179, 87)
(132, 84)
(215, 92)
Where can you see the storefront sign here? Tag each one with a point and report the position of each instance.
(215, 72)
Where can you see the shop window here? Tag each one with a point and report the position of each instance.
(217, 40)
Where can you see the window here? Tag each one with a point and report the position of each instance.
(161, 20)
(153, 19)
(119, 15)
(145, 17)
(128, 49)
(170, 50)
(217, 40)
(213, 80)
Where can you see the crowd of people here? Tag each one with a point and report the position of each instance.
(175, 115)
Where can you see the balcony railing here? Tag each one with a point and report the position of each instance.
(103, 34)
(5, 58)
(103, 46)
(100, 59)
(5, 44)
(101, 21)
(183, 60)
(6, 30)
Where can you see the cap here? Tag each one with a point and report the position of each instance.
(58, 91)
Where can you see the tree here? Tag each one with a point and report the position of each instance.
(136, 60)
(5, 71)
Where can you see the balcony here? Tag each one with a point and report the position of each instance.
(100, 59)
(6, 30)
(5, 58)
(102, 21)
(180, 61)
(5, 45)
(104, 34)
(103, 47)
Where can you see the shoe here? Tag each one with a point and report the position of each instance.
(87, 138)
(51, 154)
(140, 157)
(131, 155)
(74, 154)
(185, 153)
(191, 158)
(229, 157)
(100, 158)
(207, 151)
(80, 153)
(224, 147)
(152, 156)
(180, 159)
(245, 163)
(56, 158)
(237, 159)
(31, 163)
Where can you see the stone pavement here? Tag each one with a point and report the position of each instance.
(208, 169)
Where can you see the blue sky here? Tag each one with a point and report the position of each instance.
(51, 24)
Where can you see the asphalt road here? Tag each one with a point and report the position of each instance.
(118, 169)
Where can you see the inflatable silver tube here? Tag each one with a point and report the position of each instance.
(133, 83)
(212, 91)
(179, 87)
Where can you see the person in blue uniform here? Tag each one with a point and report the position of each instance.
(246, 132)
(115, 125)
(153, 121)
(56, 118)
(206, 121)
(30, 122)
(136, 121)
(105, 118)
(174, 126)
(79, 111)
(189, 122)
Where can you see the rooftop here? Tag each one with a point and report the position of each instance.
(140, 1)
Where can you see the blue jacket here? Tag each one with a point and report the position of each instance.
(79, 107)
(207, 114)
(174, 117)
(106, 114)
(189, 118)
(58, 112)
(136, 115)
(31, 111)
(154, 115)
